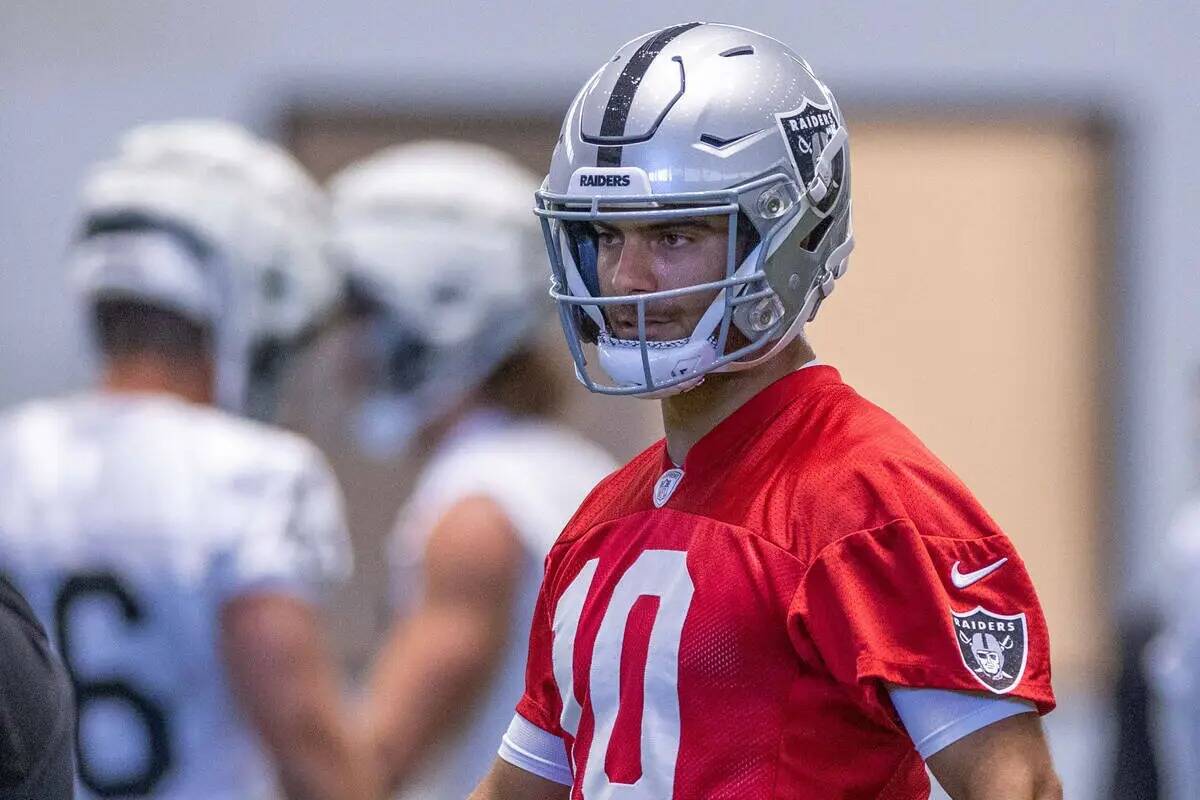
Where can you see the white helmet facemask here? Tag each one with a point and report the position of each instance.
(648, 140)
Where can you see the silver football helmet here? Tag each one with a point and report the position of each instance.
(208, 221)
(436, 242)
(700, 120)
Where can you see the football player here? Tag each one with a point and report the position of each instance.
(1172, 655)
(37, 710)
(769, 602)
(176, 550)
(444, 264)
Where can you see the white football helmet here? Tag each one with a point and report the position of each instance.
(700, 120)
(204, 219)
(436, 240)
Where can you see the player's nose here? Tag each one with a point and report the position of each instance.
(634, 273)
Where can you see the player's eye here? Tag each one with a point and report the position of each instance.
(674, 239)
(607, 237)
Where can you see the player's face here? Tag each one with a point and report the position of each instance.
(989, 661)
(640, 257)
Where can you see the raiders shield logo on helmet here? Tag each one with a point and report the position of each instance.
(807, 130)
(993, 647)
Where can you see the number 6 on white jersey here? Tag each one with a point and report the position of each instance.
(655, 573)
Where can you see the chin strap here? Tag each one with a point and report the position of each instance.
(835, 265)
(818, 188)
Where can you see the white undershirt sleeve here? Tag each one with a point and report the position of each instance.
(536, 751)
(937, 718)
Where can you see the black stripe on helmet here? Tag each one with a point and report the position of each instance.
(616, 113)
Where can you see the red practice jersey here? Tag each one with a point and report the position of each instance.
(730, 632)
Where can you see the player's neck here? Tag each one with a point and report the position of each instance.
(688, 417)
(148, 373)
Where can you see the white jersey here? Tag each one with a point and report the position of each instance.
(128, 520)
(1174, 655)
(538, 473)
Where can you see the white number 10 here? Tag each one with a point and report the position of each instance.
(655, 573)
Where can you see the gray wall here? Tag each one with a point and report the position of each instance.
(73, 75)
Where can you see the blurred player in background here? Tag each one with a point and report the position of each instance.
(446, 275)
(37, 708)
(175, 549)
(1171, 659)
(789, 597)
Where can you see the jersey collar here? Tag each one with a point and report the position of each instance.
(754, 416)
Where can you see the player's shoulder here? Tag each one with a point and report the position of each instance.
(1186, 522)
(1182, 545)
(620, 492)
(537, 470)
(251, 442)
(850, 431)
(229, 447)
(35, 437)
(828, 436)
(525, 447)
(42, 418)
(253, 463)
(278, 496)
(164, 430)
(871, 470)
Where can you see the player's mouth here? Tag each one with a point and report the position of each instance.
(659, 328)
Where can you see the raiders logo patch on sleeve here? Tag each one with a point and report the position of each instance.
(993, 647)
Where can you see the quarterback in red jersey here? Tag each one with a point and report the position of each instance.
(789, 597)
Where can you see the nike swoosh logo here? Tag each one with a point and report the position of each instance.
(962, 581)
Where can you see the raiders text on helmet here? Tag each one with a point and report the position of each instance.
(700, 120)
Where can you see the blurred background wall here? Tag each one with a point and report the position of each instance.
(1114, 78)
(74, 75)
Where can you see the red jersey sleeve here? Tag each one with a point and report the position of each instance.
(893, 605)
(541, 703)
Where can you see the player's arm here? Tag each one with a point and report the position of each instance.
(533, 762)
(37, 752)
(508, 782)
(438, 660)
(284, 676)
(1007, 760)
(908, 631)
